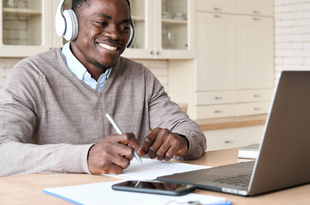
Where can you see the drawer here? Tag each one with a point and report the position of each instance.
(215, 111)
(257, 7)
(222, 6)
(233, 137)
(253, 108)
(254, 95)
(218, 97)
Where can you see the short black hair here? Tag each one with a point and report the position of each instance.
(78, 5)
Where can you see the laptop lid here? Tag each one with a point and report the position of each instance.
(284, 159)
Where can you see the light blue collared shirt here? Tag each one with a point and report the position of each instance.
(81, 72)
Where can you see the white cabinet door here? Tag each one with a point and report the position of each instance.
(255, 52)
(257, 7)
(165, 30)
(216, 52)
(142, 13)
(225, 6)
(26, 29)
(174, 37)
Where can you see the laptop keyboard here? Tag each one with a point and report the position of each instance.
(242, 180)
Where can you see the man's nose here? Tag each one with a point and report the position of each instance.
(113, 33)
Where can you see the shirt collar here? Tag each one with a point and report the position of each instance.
(77, 67)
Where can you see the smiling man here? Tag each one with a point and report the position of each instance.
(53, 105)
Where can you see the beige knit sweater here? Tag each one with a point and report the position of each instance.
(49, 118)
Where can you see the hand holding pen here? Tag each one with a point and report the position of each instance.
(118, 130)
(111, 154)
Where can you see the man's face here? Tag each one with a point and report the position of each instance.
(103, 33)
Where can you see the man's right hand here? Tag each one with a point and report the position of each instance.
(112, 154)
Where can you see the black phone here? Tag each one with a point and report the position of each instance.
(152, 187)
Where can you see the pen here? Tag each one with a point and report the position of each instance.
(118, 130)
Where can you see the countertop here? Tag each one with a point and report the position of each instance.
(231, 122)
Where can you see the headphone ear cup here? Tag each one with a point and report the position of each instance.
(72, 25)
(60, 22)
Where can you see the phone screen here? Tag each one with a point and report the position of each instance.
(154, 187)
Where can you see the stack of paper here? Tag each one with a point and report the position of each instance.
(249, 152)
(102, 193)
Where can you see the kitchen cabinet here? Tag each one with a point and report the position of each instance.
(219, 6)
(216, 53)
(165, 29)
(26, 28)
(232, 74)
(255, 7)
(254, 52)
(233, 137)
(249, 7)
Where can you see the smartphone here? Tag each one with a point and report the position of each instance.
(152, 187)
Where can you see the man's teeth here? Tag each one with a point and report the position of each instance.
(111, 48)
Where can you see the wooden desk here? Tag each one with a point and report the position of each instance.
(27, 189)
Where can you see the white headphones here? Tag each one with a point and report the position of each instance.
(67, 25)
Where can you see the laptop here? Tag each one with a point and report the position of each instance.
(284, 152)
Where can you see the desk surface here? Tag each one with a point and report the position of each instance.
(27, 189)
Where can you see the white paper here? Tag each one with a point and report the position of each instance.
(102, 193)
(151, 169)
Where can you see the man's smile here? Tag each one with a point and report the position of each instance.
(111, 48)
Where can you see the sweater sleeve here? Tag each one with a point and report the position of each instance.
(166, 114)
(20, 101)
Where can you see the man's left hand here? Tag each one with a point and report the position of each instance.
(163, 144)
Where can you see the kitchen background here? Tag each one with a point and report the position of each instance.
(291, 22)
(292, 40)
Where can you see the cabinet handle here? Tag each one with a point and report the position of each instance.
(217, 16)
(256, 96)
(218, 111)
(152, 52)
(256, 12)
(256, 19)
(228, 141)
(217, 9)
(257, 108)
(218, 98)
(158, 53)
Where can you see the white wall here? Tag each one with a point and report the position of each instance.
(292, 35)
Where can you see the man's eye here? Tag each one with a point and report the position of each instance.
(125, 28)
(102, 23)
